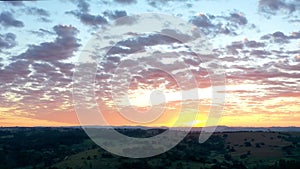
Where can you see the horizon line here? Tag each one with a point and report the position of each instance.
(124, 126)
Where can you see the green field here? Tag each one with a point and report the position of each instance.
(71, 148)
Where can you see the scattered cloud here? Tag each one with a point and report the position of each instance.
(126, 1)
(15, 3)
(37, 11)
(280, 37)
(161, 3)
(238, 18)
(41, 32)
(254, 44)
(297, 58)
(115, 14)
(261, 68)
(214, 24)
(7, 20)
(7, 41)
(85, 17)
(62, 48)
(83, 6)
(274, 6)
(89, 19)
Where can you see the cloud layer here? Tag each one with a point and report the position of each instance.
(39, 46)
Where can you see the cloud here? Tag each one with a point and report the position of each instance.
(213, 24)
(138, 44)
(260, 53)
(295, 35)
(254, 44)
(277, 37)
(126, 1)
(297, 58)
(7, 41)
(15, 69)
(82, 13)
(7, 20)
(263, 73)
(280, 37)
(15, 3)
(236, 45)
(202, 21)
(274, 6)
(62, 48)
(140, 58)
(42, 14)
(41, 32)
(239, 46)
(83, 6)
(160, 3)
(238, 18)
(39, 77)
(115, 15)
(36, 11)
(89, 19)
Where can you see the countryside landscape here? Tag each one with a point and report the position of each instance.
(66, 148)
(150, 84)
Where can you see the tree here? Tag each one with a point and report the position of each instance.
(247, 144)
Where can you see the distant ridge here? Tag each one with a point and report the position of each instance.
(194, 129)
(265, 129)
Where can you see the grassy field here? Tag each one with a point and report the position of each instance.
(252, 149)
(69, 148)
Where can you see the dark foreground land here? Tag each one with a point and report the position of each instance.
(71, 148)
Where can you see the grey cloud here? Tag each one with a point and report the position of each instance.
(89, 19)
(294, 21)
(288, 67)
(280, 37)
(260, 53)
(247, 46)
(234, 47)
(82, 13)
(274, 6)
(7, 41)
(62, 48)
(64, 68)
(44, 19)
(114, 15)
(15, 69)
(160, 3)
(295, 35)
(42, 32)
(39, 77)
(15, 3)
(37, 83)
(85, 17)
(254, 44)
(202, 21)
(138, 44)
(83, 6)
(297, 58)
(238, 18)
(126, 1)
(36, 11)
(277, 37)
(7, 20)
(214, 25)
(258, 74)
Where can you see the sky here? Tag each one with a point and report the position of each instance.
(255, 42)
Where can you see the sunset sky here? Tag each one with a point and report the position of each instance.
(256, 42)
